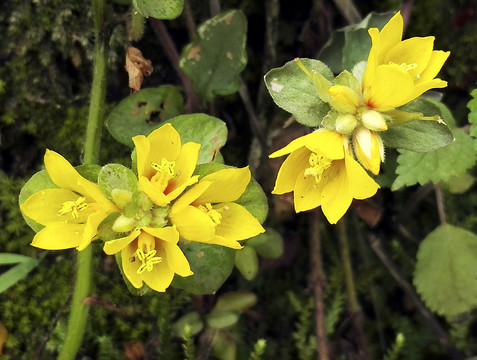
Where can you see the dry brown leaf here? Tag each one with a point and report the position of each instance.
(3, 337)
(134, 350)
(137, 67)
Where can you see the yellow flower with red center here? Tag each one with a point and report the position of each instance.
(207, 212)
(70, 213)
(164, 165)
(397, 70)
(320, 172)
(151, 256)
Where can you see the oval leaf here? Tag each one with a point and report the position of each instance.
(246, 260)
(215, 58)
(222, 319)
(143, 112)
(446, 275)
(295, 92)
(115, 176)
(164, 9)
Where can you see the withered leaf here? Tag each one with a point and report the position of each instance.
(137, 67)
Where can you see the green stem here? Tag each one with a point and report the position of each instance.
(83, 285)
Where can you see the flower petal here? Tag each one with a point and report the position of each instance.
(307, 193)
(61, 172)
(130, 267)
(113, 246)
(416, 50)
(189, 197)
(59, 236)
(156, 195)
(142, 146)
(361, 185)
(391, 34)
(438, 58)
(44, 205)
(236, 222)
(328, 143)
(293, 166)
(193, 224)
(167, 234)
(421, 88)
(91, 228)
(222, 241)
(336, 198)
(185, 165)
(180, 189)
(176, 259)
(226, 185)
(291, 147)
(161, 275)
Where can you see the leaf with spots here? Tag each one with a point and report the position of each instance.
(295, 92)
(472, 106)
(436, 166)
(215, 58)
(164, 9)
(446, 275)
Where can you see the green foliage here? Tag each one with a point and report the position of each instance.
(215, 58)
(304, 341)
(258, 349)
(396, 348)
(472, 106)
(268, 245)
(116, 177)
(246, 261)
(445, 274)
(166, 9)
(440, 165)
(19, 271)
(295, 92)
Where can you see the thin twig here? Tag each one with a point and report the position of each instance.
(252, 117)
(214, 7)
(192, 102)
(348, 10)
(440, 204)
(442, 336)
(189, 18)
(318, 282)
(353, 305)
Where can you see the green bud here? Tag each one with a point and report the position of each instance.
(124, 224)
(373, 120)
(346, 123)
(159, 216)
(121, 197)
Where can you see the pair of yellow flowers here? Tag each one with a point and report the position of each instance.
(205, 212)
(321, 169)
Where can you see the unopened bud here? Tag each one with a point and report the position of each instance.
(368, 148)
(121, 197)
(373, 120)
(346, 123)
(344, 99)
(124, 224)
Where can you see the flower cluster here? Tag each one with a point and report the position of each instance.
(150, 220)
(321, 170)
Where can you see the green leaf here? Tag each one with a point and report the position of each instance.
(143, 112)
(440, 165)
(206, 130)
(115, 176)
(222, 319)
(246, 261)
(8, 258)
(253, 199)
(235, 301)
(18, 272)
(446, 275)
(352, 43)
(418, 136)
(268, 245)
(472, 106)
(164, 9)
(295, 92)
(191, 319)
(460, 184)
(211, 264)
(215, 58)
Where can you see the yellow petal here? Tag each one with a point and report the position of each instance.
(189, 197)
(131, 264)
(336, 198)
(236, 222)
(366, 148)
(180, 189)
(327, 143)
(61, 172)
(361, 185)
(156, 195)
(167, 234)
(44, 205)
(142, 150)
(161, 275)
(185, 165)
(193, 224)
(293, 166)
(414, 51)
(392, 87)
(59, 236)
(176, 259)
(113, 246)
(391, 34)
(222, 241)
(438, 58)
(226, 185)
(421, 88)
(373, 59)
(344, 99)
(292, 146)
(91, 190)
(307, 193)
(91, 228)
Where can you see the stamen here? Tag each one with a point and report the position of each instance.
(318, 164)
(165, 167)
(148, 260)
(74, 207)
(405, 66)
(214, 215)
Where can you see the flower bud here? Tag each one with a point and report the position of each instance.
(121, 197)
(373, 120)
(124, 224)
(344, 99)
(346, 123)
(368, 148)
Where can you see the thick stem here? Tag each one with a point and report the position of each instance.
(83, 282)
(318, 282)
(353, 305)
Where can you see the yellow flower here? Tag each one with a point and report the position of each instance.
(368, 148)
(164, 165)
(207, 212)
(321, 172)
(150, 255)
(399, 71)
(70, 213)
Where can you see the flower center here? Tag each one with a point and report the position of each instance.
(164, 172)
(318, 164)
(148, 260)
(214, 215)
(408, 67)
(74, 207)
